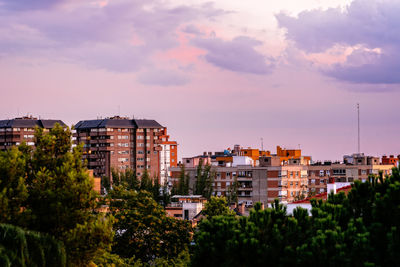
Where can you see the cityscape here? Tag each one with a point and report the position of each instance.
(199, 133)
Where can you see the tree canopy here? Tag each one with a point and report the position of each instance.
(358, 229)
(143, 231)
(48, 190)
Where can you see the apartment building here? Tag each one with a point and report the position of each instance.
(168, 159)
(15, 131)
(354, 167)
(391, 160)
(261, 176)
(252, 181)
(286, 175)
(121, 143)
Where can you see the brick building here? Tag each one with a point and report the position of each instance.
(121, 143)
(286, 175)
(13, 132)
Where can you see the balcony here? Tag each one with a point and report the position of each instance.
(95, 163)
(245, 188)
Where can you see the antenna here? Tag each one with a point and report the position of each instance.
(262, 144)
(358, 125)
(119, 111)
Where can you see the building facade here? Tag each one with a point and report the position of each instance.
(286, 175)
(121, 143)
(15, 131)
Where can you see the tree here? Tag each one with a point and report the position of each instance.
(128, 177)
(57, 197)
(13, 188)
(143, 230)
(361, 228)
(216, 206)
(205, 176)
(232, 193)
(19, 247)
(182, 186)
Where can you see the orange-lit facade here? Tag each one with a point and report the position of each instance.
(391, 160)
(121, 143)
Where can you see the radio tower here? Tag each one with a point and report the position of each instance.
(358, 124)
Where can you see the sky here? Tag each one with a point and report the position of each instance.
(215, 73)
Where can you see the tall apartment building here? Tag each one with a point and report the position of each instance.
(122, 143)
(168, 159)
(13, 132)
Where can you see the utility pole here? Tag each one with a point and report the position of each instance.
(358, 125)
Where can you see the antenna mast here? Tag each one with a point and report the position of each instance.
(262, 144)
(358, 124)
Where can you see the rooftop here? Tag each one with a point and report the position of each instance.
(117, 122)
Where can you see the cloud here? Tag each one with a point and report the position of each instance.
(236, 55)
(29, 4)
(370, 28)
(96, 36)
(162, 77)
(192, 29)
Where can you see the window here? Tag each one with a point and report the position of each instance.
(123, 152)
(321, 173)
(140, 152)
(172, 154)
(328, 172)
(123, 137)
(140, 137)
(172, 160)
(123, 144)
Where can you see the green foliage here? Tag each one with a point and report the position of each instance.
(49, 190)
(216, 206)
(360, 229)
(13, 188)
(232, 193)
(205, 176)
(128, 178)
(182, 187)
(25, 248)
(143, 230)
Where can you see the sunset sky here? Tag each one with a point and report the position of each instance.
(215, 73)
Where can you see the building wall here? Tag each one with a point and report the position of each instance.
(121, 144)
